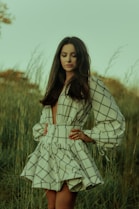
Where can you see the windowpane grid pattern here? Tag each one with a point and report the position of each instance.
(57, 159)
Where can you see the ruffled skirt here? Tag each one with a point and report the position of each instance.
(57, 160)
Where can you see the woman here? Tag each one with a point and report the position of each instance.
(61, 163)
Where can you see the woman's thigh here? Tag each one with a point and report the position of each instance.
(65, 199)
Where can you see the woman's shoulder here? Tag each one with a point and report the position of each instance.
(95, 82)
(45, 108)
(98, 87)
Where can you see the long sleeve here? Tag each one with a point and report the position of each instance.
(109, 123)
(38, 128)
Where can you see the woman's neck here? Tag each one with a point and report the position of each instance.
(69, 75)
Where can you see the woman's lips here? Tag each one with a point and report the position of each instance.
(68, 65)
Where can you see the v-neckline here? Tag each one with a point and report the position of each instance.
(54, 118)
(54, 113)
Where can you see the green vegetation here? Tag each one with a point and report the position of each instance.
(5, 17)
(20, 110)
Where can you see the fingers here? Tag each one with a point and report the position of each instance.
(76, 134)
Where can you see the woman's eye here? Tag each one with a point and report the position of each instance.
(74, 55)
(63, 55)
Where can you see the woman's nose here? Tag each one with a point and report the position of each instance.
(68, 59)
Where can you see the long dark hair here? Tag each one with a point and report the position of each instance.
(78, 85)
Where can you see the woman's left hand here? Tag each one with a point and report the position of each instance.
(77, 134)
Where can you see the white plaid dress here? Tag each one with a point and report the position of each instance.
(58, 159)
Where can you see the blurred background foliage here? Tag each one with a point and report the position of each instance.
(20, 110)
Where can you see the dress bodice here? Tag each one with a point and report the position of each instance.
(109, 123)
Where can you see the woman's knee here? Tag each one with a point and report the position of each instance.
(51, 199)
(50, 206)
(65, 199)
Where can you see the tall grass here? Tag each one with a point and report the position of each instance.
(20, 110)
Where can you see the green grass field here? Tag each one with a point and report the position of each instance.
(20, 110)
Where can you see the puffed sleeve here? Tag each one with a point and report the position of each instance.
(109, 123)
(38, 128)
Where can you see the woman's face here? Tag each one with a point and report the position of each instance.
(68, 57)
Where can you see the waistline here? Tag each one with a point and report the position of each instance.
(62, 131)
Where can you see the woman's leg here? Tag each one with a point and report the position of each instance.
(65, 199)
(51, 198)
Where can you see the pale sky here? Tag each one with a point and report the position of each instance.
(104, 25)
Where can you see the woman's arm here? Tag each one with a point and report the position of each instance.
(40, 128)
(109, 123)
